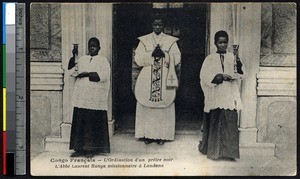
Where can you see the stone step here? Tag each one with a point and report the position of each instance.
(56, 144)
(126, 143)
(258, 149)
(177, 132)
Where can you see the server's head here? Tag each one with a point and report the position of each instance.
(93, 46)
(221, 41)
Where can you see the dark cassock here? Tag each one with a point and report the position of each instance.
(221, 105)
(89, 130)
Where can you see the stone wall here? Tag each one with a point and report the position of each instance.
(46, 84)
(45, 32)
(46, 74)
(276, 89)
(278, 125)
(278, 42)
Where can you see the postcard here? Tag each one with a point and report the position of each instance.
(163, 89)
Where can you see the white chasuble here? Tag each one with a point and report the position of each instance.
(155, 112)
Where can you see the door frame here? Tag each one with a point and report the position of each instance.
(115, 51)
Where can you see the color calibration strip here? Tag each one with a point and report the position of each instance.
(20, 96)
(14, 89)
(9, 84)
(4, 88)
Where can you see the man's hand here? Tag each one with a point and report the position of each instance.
(158, 53)
(227, 77)
(239, 66)
(83, 74)
(75, 51)
(218, 79)
(236, 52)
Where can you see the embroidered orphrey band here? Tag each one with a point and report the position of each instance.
(156, 80)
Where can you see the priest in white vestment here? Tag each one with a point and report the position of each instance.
(155, 90)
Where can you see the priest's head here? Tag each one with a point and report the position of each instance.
(157, 23)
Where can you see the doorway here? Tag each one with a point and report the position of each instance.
(188, 23)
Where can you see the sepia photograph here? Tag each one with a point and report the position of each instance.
(163, 89)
